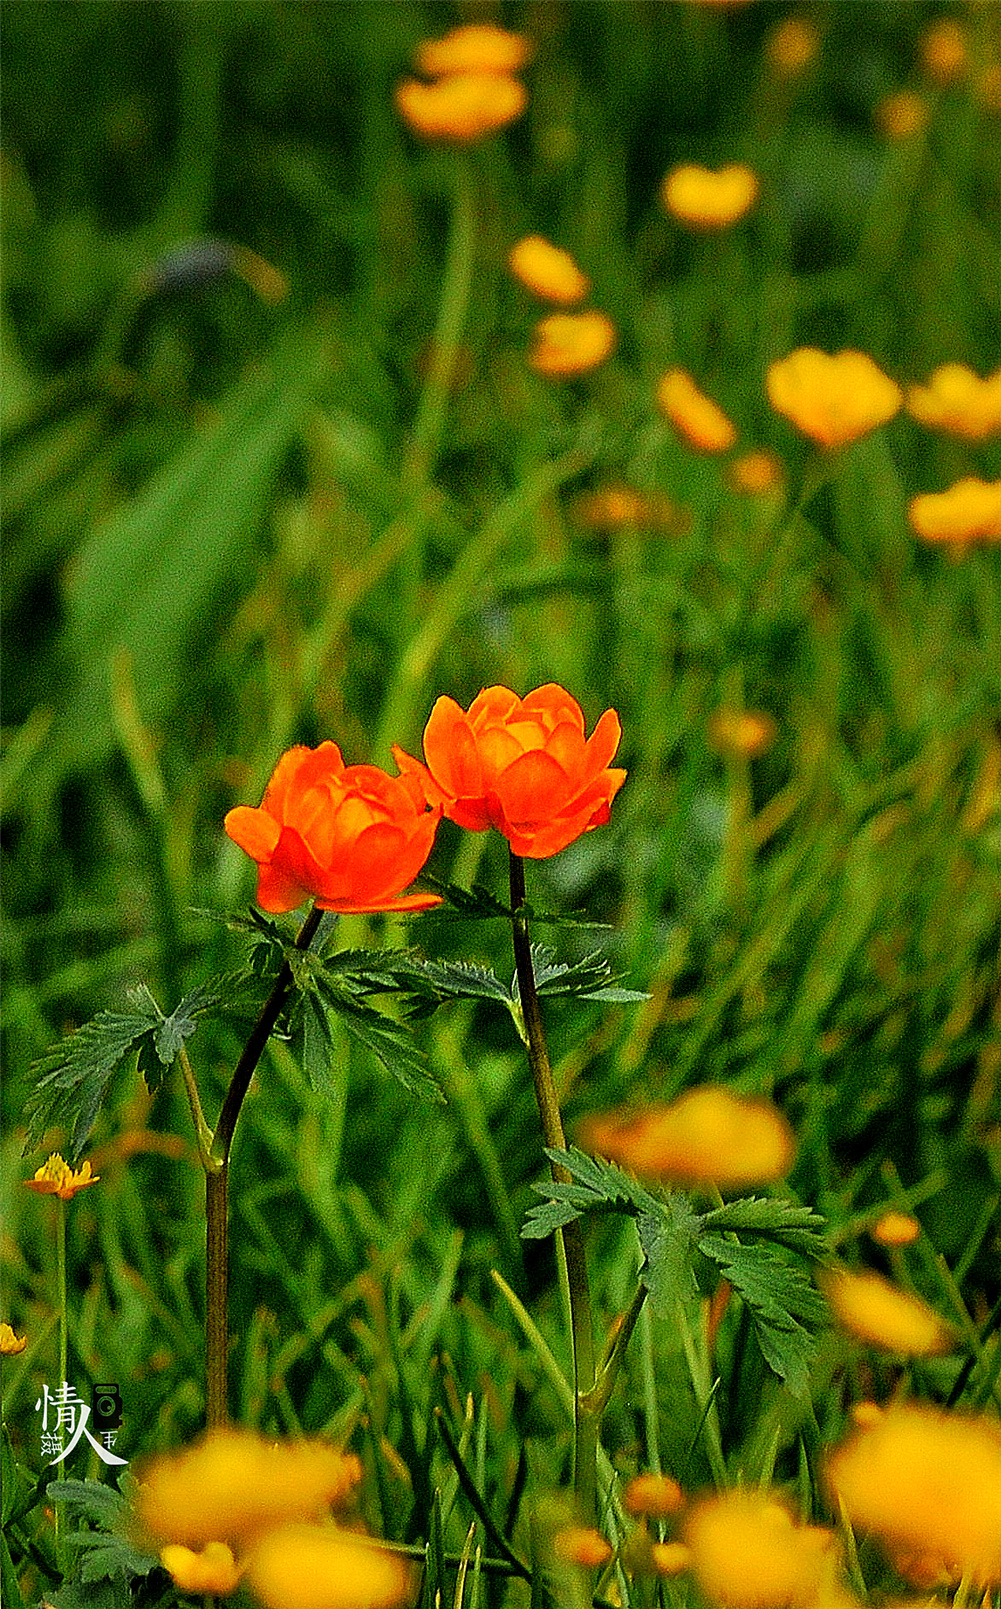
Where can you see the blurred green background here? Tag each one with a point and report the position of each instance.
(224, 260)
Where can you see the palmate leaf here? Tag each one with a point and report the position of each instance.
(780, 1299)
(73, 1075)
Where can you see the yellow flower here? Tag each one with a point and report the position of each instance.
(547, 271)
(926, 1481)
(791, 45)
(609, 508)
(316, 1567)
(581, 1544)
(56, 1178)
(741, 733)
(958, 401)
(757, 472)
(571, 343)
(832, 399)
(475, 48)
(968, 512)
(705, 199)
(233, 1484)
(656, 1495)
(896, 1228)
(901, 115)
(707, 1136)
(747, 1553)
(873, 1310)
(11, 1344)
(670, 1558)
(694, 416)
(461, 108)
(213, 1570)
(943, 51)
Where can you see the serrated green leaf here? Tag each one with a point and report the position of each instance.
(393, 1046)
(781, 1301)
(590, 978)
(94, 1501)
(182, 1022)
(546, 1218)
(74, 1075)
(799, 1228)
(469, 904)
(595, 1186)
(668, 1233)
(461, 980)
(317, 1046)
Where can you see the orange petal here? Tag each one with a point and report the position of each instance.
(450, 750)
(255, 831)
(533, 788)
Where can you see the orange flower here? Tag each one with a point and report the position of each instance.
(475, 48)
(521, 765)
(968, 512)
(213, 1570)
(694, 415)
(351, 836)
(757, 472)
(742, 734)
(867, 1306)
(833, 400)
(791, 45)
(748, 1553)
(571, 343)
(461, 108)
(581, 1544)
(609, 508)
(656, 1495)
(958, 401)
(704, 199)
(926, 1482)
(317, 1567)
(56, 1178)
(943, 50)
(706, 1136)
(902, 114)
(896, 1228)
(547, 271)
(11, 1344)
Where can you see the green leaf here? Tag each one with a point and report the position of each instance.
(595, 1186)
(394, 1047)
(73, 1075)
(799, 1228)
(181, 1024)
(469, 904)
(590, 978)
(781, 1301)
(668, 1232)
(317, 1046)
(460, 980)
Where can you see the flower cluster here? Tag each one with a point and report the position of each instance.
(472, 88)
(353, 837)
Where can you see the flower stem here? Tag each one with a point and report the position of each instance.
(216, 1164)
(60, 1511)
(586, 1418)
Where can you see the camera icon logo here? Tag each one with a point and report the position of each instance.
(106, 1406)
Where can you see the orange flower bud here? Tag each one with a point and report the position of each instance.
(694, 415)
(56, 1178)
(571, 343)
(896, 1228)
(704, 199)
(476, 48)
(757, 472)
(656, 1495)
(833, 400)
(968, 512)
(521, 765)
(742, 733)
(928, 1482)
(461, 108)
(706, 1136)
(350, 836)
(547, 271)
(581, 1544)
(867, 1306)
(957, 401)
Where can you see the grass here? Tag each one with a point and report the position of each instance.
(235, 523)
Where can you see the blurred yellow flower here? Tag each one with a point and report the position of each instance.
(988, 87)
(694, 416)
(958, 401)
(670, 1558)
(581, 1544)
(11, 1344)
(565, 344)
(742, 733)
(548, 271)
(479, 47)
(747, 1553)
(896, 1228)
(706, 199)
(928, 1481)
(832, 399)
(213, 1570)
(56, 1178)
(655, 1495)
(902, 114)
(609, 508)
(233, 1484)
(872, 1309)
(943, 51)
(462, 108)
(791, 45)
(316, 1567)
(757, 472)
(968, 512)
(707, 1136)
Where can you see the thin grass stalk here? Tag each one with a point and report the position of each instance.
(586, 1418)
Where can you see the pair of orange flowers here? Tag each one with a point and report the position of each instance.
(353, 837)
